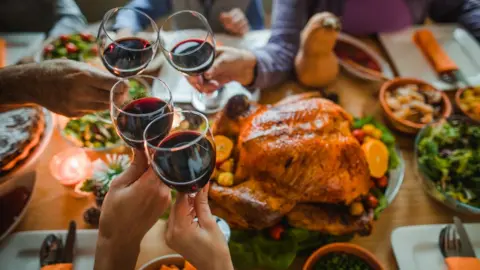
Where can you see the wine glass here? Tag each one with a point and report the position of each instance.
(185, 159)
(133, 106)
(190, 49)
(126, 53)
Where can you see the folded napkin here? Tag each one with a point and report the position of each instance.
(439, 59)
(58, 266)
(3, 53)
(462, 263)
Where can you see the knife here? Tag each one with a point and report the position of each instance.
(466, 248)
(69, 249)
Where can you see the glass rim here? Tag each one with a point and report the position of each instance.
(107, 16)
(203, 133)
(205, 40)
(167, 103)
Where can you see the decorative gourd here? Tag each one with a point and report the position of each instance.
(316, 64)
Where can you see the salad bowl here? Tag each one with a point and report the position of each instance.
(447, 154)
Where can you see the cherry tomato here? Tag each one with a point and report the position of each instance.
(48, 49)
(382, 182)
(65, 38)
(359, 135)
(94, 50)
(372, 201)
(276, 231)
(71, 48)
(86, 36)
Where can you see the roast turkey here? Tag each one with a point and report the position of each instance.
(297, 160)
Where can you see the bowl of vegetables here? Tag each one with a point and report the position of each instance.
(90, 132)
(342, 256)
(410, 104)
(78, 47)
(448, 163)
(468, 101)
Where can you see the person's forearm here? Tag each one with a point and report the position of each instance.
(71, 18)
(465, 12)
(15, 85)
(114, 255)
(275, 60)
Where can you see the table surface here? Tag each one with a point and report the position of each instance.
(52, 206)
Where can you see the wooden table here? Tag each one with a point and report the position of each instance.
(52, 206)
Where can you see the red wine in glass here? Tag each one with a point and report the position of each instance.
(135, 117)
(189, 165)
(127, 57)
(192, 56)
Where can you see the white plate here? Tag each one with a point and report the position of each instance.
(416, 247)
(386, 70)
(21, 250)
(410, 61)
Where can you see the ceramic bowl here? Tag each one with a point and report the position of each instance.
(171, 259)
(458, 96)
(351, 249)
(402, 124)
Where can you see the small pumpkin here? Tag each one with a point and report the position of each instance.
(316, 64)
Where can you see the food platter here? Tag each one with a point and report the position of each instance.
(368, 52)
(21, 180)
(290, 230)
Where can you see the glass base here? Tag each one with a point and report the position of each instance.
(208, 103)
(214, 102)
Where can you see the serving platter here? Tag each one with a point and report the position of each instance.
(21, 250)
(24, 176)
(384, 66)
(410, 62)
(416, 247)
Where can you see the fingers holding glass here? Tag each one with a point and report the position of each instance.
(184, 159)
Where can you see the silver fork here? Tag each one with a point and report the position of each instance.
(449, 242)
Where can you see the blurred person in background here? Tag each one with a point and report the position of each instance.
(54, 17)
(230, 16)
(274, 63)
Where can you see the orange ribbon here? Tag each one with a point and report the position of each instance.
(462, 263)
(58, 266)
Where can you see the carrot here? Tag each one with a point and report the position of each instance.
(439, 59)
(3, 53)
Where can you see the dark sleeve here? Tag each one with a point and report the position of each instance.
(275, 60)
(153, 8)
(465, 12)
(70, 18)
(254, 14)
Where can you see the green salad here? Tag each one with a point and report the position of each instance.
(78, 47)
(90, 132)
(449, 155)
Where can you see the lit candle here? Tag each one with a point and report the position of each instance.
(71, 166)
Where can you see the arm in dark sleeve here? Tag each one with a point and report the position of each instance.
(70, 18)
(153, 8)
(275, 60)
(465, 12)
(254, 14)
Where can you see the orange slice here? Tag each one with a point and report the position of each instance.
(377, 157)
(224, 147)
(189, 266)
